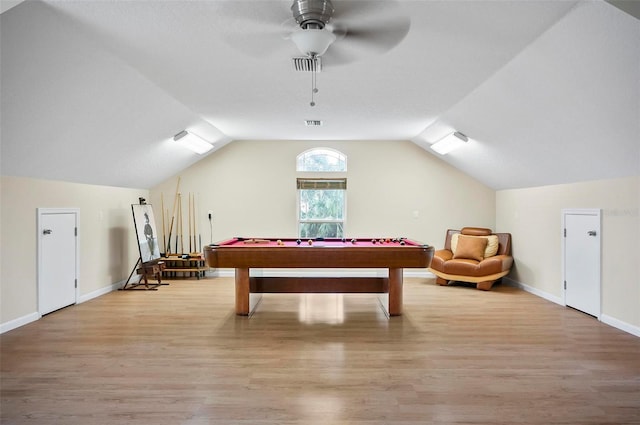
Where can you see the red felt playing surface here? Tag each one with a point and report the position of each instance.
(328, 242)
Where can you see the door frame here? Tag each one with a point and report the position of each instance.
(582, 211)
(39, 272)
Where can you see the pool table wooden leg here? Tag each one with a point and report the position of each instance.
(242, 292)
(395, 291)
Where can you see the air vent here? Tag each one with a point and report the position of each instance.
(304, 64)
(313, 123)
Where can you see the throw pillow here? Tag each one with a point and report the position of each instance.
(492, 244)
(471, 248)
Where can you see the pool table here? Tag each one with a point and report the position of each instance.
(246, 253)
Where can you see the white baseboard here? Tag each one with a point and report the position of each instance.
(32, 317)
(20, 321)
(607, 320)
(547, 296)
(623, 326)
(418, 273)
(98, 292)
(220, 273)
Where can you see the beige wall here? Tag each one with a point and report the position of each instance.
(108, 247)
(533, 216)
(251, 188)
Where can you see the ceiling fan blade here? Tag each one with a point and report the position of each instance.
(378, 38)
(361, 41)
(363, 10)
(256, 28)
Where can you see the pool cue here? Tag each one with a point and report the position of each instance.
(179, 227)
(189, 222)
(169, 242)
(192, 237)
(164, 229)
(177, 223)
(195, 245)
(192, 231)
(173, 215)
(199, 236)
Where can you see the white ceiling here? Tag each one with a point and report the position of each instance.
(93, 91)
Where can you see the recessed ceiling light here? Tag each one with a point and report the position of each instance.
(193, 142)
(449, 142)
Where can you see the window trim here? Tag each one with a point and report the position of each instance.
(343, 186)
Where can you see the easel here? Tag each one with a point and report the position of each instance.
(145, 233)
(151, 268)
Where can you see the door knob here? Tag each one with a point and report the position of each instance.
(46, 232)
(591, 233)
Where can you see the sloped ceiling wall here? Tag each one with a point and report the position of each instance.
(566, 109)
(72, 111)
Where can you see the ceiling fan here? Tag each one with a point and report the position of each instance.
(312, 16)
(341, 32)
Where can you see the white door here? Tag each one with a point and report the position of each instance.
(582, 260)
(57, 258)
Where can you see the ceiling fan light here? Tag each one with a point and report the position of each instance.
(449, 142)
(193, 142)
(313, 42)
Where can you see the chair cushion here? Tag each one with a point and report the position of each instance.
(492, 244)
(471, 248)
(465, 267)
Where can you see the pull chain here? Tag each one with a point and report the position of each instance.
(314, 88)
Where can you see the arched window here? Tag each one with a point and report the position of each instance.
(322, 160)
(321, 201)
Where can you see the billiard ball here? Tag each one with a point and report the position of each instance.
(353, 240)
(401, 242)
(373, 241)
(344, 240)
(298, 241)
(310, 241)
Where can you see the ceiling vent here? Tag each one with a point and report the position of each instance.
(313, 123)
(307, 64)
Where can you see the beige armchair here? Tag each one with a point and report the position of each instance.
(474, 255)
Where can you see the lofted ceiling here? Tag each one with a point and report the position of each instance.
(93, 91)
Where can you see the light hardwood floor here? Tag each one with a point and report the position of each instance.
(179, 355)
